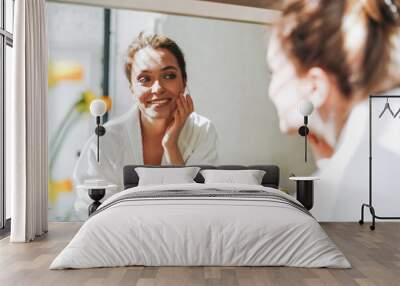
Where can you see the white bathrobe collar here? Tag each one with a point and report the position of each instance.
(134, 131)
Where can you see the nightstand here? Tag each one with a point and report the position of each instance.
(96, 191)
(305, 190)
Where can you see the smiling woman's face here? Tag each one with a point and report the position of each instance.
(156, 82)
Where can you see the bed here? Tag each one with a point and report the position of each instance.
(201, 224)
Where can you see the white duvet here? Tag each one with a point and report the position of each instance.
(200, 231)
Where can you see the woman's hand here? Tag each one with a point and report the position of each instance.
(184, 107)
(321, 148)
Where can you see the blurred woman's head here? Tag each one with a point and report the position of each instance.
(156, 71)
(333, 53)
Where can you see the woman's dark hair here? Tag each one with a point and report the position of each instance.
(156, 42)
(315, 33)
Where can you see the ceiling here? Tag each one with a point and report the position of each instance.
(267, 4)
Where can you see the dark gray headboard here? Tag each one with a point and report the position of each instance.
(270, 179)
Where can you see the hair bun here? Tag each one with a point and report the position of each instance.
(383, 12)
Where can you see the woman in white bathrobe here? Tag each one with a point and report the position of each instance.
(336, 53)
(161, 129)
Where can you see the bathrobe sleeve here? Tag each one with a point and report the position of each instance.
(204, 151)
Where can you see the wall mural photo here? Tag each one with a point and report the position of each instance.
(153, 70)
(182, 90)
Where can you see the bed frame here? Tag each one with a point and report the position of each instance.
(270, 179)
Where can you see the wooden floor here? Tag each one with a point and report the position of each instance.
(374, 255)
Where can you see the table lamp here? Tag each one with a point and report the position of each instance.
(97, 109)
(305, 108)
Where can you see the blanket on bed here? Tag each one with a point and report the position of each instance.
(206, 194)
(203, 225)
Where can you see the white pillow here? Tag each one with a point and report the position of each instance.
(248, 177)
(162, 176)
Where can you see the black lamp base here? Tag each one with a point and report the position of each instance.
(303, 130)
(100, 130)
(96, 195)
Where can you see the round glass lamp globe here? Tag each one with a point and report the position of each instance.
(306, 107)
(98, 107)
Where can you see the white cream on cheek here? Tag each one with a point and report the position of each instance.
(142, 94)
(286, 88)
(148, 59)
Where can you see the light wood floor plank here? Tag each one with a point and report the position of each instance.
(374, 255)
